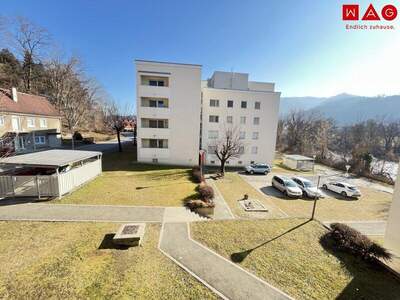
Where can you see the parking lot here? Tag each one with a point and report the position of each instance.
(374, 203)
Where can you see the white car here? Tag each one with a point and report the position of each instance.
(342, 188)
(287, 186)
(309, 189)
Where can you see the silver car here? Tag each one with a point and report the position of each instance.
(287, 186)
(309, 189)
(258, 169)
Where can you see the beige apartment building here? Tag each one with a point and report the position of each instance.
(178, 114)
(27, 122)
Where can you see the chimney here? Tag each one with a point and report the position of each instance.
(14, 94)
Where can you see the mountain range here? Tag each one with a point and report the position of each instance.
(345, 109)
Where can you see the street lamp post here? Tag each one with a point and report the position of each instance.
(319, 179)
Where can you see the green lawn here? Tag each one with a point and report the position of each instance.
(62, 261)
(296, 262)
(125, 182)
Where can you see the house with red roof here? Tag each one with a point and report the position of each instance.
(27, 123)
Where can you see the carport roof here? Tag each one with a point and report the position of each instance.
(298, 157)
(53, 158)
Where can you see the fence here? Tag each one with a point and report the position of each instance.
(54, 185)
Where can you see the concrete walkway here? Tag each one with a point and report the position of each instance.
(225, 278)
(221, 210)
(71, 212)
(365, 227)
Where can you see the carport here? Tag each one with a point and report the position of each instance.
(51, 173)
(298, 162)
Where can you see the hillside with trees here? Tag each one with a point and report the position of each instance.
(29, 62)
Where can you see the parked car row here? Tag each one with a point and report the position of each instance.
(302, 187)
(298, 186)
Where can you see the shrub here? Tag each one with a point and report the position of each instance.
(77, 136)
(206, 192)
(192, 204)
(196, 175)
(354, 242)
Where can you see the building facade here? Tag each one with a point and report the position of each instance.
(178, 114)
(27, 123)
(168, 112)
(392, 234)
(230, 102)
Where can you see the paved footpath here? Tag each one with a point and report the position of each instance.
(223, 276)
(221, 210)
(71, 212)
(365, 227)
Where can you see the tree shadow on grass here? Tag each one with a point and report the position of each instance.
(369, 280)
(107, 243)
(238, 257)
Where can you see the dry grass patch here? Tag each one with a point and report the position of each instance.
(296, 262)
(125, 182)
(373, 205)
(62, 260)
(233, 188)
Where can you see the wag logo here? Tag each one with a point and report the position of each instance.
(370, 18)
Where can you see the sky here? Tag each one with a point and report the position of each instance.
(302, 46)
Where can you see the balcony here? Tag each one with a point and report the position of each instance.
(154, 91)
(154, 133)
(154, 112)
(150, 153)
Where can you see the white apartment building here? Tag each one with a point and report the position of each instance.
(168, 112)
(179, 114)
(251, 109)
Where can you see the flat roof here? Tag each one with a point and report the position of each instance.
(166, 62)
(54, 158)
(298, 157)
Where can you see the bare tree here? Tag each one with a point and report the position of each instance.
(31, 42)
(228, 146)
(115, 118)
(70, 92)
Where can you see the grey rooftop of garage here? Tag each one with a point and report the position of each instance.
(297, 157)
(54, 158)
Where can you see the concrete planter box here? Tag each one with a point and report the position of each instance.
(204, 211)
(129, 234)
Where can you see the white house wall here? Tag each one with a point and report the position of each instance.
(392, 236)
(268, 114)
(183, 113)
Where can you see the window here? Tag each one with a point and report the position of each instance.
(254, 150)
(153, 123)
(30, 122)
(40, 140)
(213, 161)
(242, 135)
(155, 160)
(229, 119)
(213, 119)
(214, 103)
(255, 135)
(212, 149)
(1, 120)
(242, 120)
(213, 134)
(244, 104)
(240, 162)
(43, 123)
(241, 150)
(161, 103)
(154, 143)
(256, 121)
(257, 105)
(252, 162)
(229, 103)
(156, 83)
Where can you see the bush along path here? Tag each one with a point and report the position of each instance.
(224, 277)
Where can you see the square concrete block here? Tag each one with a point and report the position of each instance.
(129, 234)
